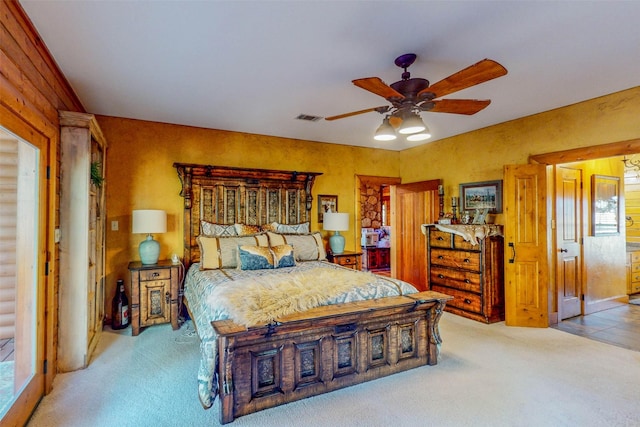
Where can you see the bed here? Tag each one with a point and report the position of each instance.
(277, 322)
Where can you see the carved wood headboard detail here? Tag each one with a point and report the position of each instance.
(226, 195)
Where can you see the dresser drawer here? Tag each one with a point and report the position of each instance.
(463, 280)
(460, 243)
(634, 288)
(457, 259)
(635, 256)
(461, 299)
(439, 239)
(350, 260)
(156, 274)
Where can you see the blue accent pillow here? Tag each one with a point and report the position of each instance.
(255, 258)
(283, 256)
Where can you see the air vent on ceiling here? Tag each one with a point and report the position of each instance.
(308, 117)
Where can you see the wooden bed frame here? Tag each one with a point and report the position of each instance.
(312, 352)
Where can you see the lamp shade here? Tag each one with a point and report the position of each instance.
(336, 221)
(385, 132)
(411, 123)
(149, 221)
(421, 136)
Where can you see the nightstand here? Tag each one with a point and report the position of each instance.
(155, 294)
(347, 259)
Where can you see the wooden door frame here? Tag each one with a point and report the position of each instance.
(47, 304)
(360, 179)
(594, 152)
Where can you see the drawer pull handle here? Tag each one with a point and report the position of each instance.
(156, 274)
(467, 301)
(440, 276)
(347, 260)
(167, 297)
(440, 257)
(467, 281)
(467, 260)
(439, 238)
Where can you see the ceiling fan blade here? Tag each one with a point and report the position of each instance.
(377, 86)
(458, 106)
(381, 110)
(480, 72)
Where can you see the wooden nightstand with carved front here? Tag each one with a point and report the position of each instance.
(347, 259)
(155, 294)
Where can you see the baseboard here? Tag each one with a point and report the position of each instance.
(605, 304)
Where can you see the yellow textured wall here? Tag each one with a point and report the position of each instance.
(140, 175)
(481, 155)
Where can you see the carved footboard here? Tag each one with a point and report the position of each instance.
(324, 349)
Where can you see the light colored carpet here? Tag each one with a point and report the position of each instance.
(635, 301)
(489, 375)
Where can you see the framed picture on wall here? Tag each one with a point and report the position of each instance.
(481, 195)
(326, 203)
(605, 205)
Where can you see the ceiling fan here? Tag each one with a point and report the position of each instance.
(410, 96)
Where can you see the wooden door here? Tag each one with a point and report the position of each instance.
(28, 217)
(568, 241)
(526, 237)
(411, 206)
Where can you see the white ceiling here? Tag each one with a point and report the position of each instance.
(253, 66)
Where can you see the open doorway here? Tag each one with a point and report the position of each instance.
(373, 212)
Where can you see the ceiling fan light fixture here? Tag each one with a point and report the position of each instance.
(422, 136)
(411, 123)
(385, 131)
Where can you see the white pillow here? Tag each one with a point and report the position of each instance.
(306, 247)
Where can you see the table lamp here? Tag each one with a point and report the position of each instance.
(337, 222)
(149, 221)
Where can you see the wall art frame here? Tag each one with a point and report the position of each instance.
(481, 195)
(326, 203)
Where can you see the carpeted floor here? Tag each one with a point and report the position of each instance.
(489, 375)
(635, 301)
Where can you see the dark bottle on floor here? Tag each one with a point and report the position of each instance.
(120, 308)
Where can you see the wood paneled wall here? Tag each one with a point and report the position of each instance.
(32, 90)
(632, 204)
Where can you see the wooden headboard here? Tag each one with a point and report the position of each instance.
(226, 195)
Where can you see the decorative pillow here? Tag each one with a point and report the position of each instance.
(306, 247)
(302, 228)
(283, 256)
(252, 257)
(247, 230)
(255, 258)
(273, 227)
(211, 229)
(222, 252)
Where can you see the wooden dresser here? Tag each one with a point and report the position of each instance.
(472, 274)
(633, 272)
(376, 259)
